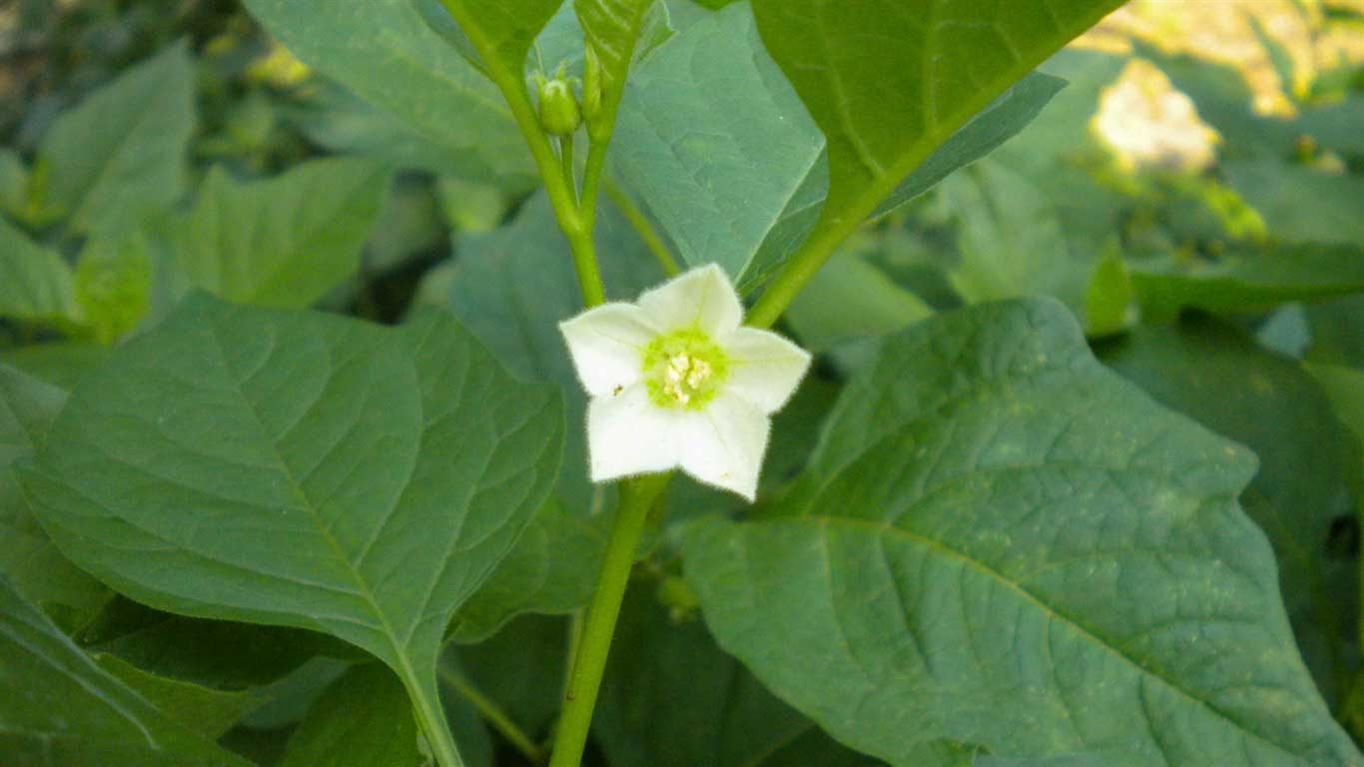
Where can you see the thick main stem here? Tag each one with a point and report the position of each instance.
(637, 498)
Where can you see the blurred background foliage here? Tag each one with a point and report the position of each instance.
(1195, 195)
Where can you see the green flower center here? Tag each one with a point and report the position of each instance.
(684, 369)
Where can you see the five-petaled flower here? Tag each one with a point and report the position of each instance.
(676, 382)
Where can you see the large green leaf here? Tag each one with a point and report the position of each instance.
(285, 241)
(1003, 543)
(35, 283)
(891, 83)
(1251, 282)
(29, 561)
(299, 469)
(362, 720)
(718, 146)
(60, 709)
(1218, 376)
(123, 151)
(384, 51)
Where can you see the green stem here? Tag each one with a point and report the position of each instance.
(637, 498)
(493, 714)
(798, 272)
(643, 227)
(595, 170)
(561, 197)
(566, 146)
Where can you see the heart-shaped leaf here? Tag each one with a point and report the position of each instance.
(1003, 543)
(299, 469)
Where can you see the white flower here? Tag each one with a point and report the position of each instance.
(676, 382)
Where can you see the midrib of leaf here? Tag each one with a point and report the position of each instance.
(1084, 632)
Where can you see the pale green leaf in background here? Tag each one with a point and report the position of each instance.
(300, 469)
(362, 720)
(1241, 283)
(1011, 239)
(1301, 204)
(386, 53)
(35, 283)
(1003, 543)
(124, 150)
(61, 709)
(285, 241)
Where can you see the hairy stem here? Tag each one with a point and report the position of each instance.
(637, 498)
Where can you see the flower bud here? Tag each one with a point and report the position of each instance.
(559, 113)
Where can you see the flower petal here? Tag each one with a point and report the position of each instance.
(703, 298)
(723, 445)
(607, 345)
(628, 434)
(764, 368)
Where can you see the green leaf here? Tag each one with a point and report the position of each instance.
(716, 143)
(32, 565)
(362, 720)
(1110, 301)
(1250, 282)
(222, 655)
(339, 120)
(891, 83)
(386, 53)
(286, 241)
(1301, 204)
(35, 283)
(1011, 239)
(613, 28)
(300, 469)
(670, 698)
(123, 151)
(113, 283)
(551, 570)
(502, 31)
(60, 709)
(1003, 543)
(1218, 376)
(208, 712)
(820, 315)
